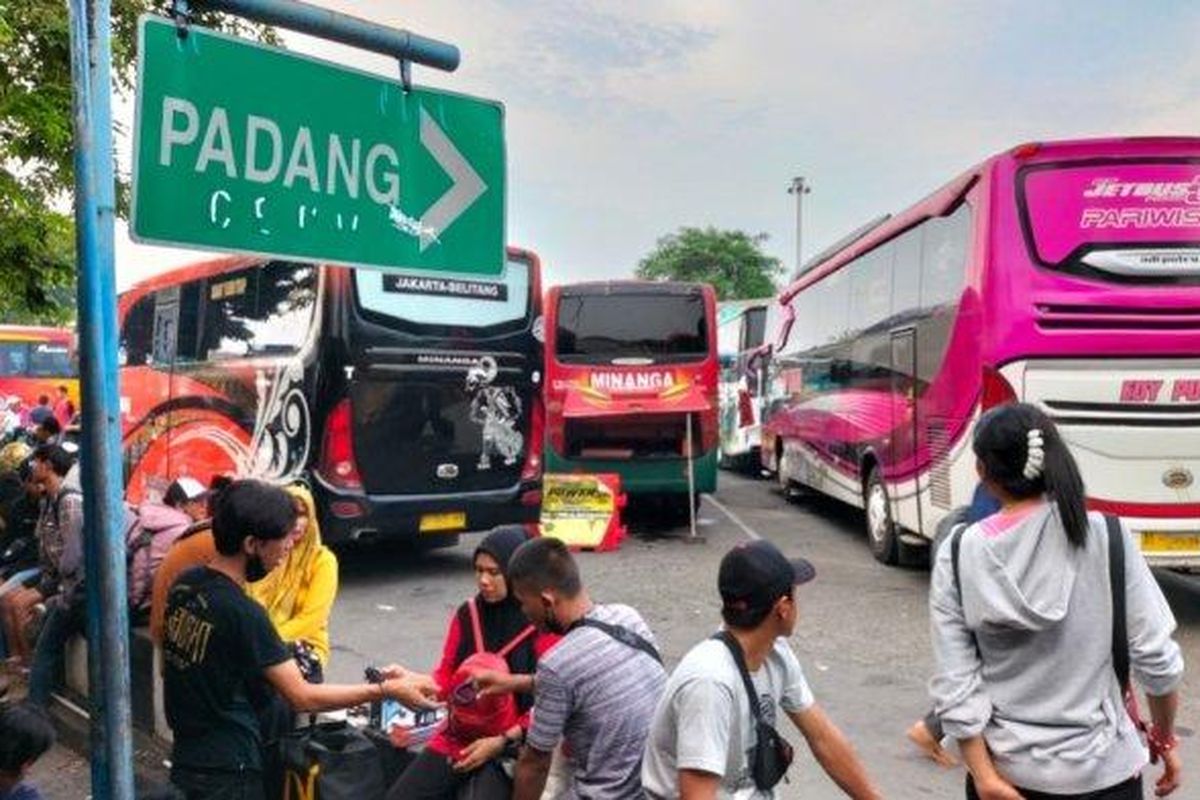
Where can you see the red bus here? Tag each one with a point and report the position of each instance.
(630, 366)
(35, 361)
(411, 402)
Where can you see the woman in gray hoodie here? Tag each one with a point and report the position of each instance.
(1022, 632)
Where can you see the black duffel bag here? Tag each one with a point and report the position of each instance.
(329, 761)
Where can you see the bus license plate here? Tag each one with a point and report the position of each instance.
(1170, 542)
(450, 521)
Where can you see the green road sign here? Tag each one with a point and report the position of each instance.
(243, 147)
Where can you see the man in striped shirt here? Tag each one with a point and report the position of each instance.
(596, 691)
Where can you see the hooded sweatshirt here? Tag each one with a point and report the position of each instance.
(1040, 687)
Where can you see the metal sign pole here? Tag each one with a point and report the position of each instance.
(344, 28)
(107, 613)
(691, 465)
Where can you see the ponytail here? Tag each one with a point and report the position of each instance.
(1023, 453)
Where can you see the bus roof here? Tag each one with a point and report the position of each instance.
(649, 287)
(219, 266)
(945, 198)
(35, 333)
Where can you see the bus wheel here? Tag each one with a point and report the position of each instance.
(881, 530)
(791, 490)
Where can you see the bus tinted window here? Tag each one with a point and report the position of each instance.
(49, 360)
(944, 257)
(756, 325)
(906, 273)
(664, 328)
(438, 300)
(871, 288)
(803, 336)
(137, 333)
(14, 358)
(833, 311)
(287, 294)
(264, 310)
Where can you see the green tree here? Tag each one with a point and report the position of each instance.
(732, 261)
(37, 259)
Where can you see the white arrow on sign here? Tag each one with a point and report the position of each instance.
(466, 189)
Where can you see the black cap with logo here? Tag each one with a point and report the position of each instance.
(754, 575)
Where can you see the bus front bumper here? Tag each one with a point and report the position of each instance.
(650, 476)
(349, 515)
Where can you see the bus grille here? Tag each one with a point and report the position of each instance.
(1063, 316)
(1130, 415)
(939, 473)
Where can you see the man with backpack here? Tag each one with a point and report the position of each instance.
(60, 584)
(714, 731)
(150, 531)
(595, 691)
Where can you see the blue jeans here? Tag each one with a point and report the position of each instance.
(62, 622)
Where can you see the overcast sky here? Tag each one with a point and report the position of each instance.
(628, 120)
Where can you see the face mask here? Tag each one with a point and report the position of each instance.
(256, 570)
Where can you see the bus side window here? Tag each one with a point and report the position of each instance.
(188, 329)
(871, 295)
(137, 334)
(229, 302)
(944, 258)
(287, 295)
(906, 275)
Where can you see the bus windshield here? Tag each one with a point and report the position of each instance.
(436, 300)
(50, 360)
(36, 360)
(1129, 219)
(652, 327)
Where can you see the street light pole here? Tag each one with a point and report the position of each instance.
(799, 187)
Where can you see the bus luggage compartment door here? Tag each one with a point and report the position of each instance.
(440, 430)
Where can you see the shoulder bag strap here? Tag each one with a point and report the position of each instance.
(622, 635)
(739, 658)
(476, 626)
(955, 546)
(516, 641)
(1116, 584)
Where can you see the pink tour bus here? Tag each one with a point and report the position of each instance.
(1065, 274)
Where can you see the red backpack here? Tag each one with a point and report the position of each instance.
(487, 716)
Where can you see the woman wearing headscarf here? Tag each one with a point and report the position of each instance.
(298, 595)
(455, 757)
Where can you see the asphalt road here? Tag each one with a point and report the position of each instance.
(863, 638)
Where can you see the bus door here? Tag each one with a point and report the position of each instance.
(903, 441)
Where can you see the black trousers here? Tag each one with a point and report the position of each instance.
(430, 777)
(1126, 790)
(218, 785)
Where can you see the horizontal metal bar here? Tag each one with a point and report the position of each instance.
(339, 27)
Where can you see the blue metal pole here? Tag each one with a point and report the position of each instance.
(338, 27)
(107, 613)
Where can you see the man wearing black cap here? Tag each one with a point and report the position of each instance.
(704, 735)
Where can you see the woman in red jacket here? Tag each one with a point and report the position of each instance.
(458, 755)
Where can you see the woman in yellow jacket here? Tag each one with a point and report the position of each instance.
(298, 594)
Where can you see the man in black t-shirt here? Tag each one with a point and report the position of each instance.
(218, 643)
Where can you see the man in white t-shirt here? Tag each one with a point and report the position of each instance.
(703, 735)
